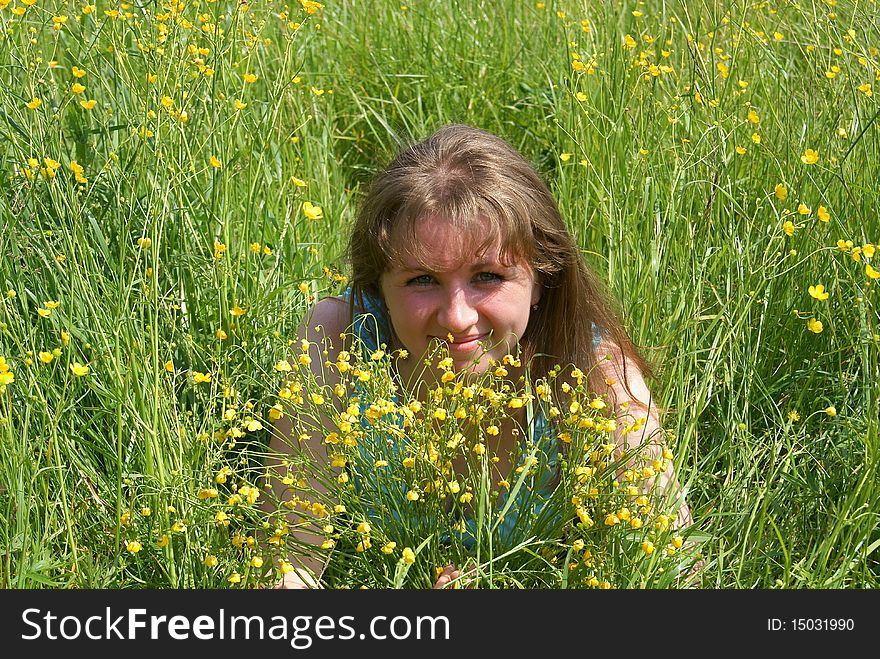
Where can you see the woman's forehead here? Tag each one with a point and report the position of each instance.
(438, 244)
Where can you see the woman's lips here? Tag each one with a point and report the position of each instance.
(465, 344)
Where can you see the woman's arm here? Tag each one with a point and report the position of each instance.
(329, 318)
(633, 401)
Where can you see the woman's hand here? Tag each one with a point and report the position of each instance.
(449, 574)
(298, 579)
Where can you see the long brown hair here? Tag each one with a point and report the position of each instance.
(485, 188)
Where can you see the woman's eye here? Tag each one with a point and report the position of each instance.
(421, 280)
(488, 277)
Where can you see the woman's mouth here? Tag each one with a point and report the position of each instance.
(465, 343)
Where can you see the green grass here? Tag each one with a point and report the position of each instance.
(687, 232)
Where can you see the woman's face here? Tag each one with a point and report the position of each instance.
(473, 303)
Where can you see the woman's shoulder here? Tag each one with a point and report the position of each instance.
(330, 316)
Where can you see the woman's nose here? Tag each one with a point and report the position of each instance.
(458, 312)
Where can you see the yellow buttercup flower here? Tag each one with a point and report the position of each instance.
(810, 157)
(34, 103)
(873, 274)
(311, 211)
(818, 292)
(814, 326)
(79, 369)
(250, 78)
(88, 105)
(780, 191)
(409, 556)
(215, 162)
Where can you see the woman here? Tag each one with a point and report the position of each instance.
(459, 244)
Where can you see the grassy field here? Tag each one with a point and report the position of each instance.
(177, 178)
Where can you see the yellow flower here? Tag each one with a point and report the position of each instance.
(235, 577)
(167, 102)
(753, 117)
(814, 326)
(311, 211)
(628, 42)
(34, 103)
(866, 89)
(78, 369)
(77, 88)
(388, 547)
(133, 547)
(803, 209)
(178, 527)
(310, 7)
(823, 214)
(169, 366)
(257, 561)
(211, 561)
(162, 541)
(239, 104)
(818, 292)
(868, 250)
(77, 72)
(780, 191)
(88, 105)
(648, 547)
(238, 311)
(810, 157)
(873, 274)
(250, 78)
(831, 410)
(788, 227)
(565, 157)
(46, 357)
(409, 556)
(199, 378)
(740, 150)
(215, 162)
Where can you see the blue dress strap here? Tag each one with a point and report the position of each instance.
(371, 324)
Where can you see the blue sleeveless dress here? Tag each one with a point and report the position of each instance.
(372, 328)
